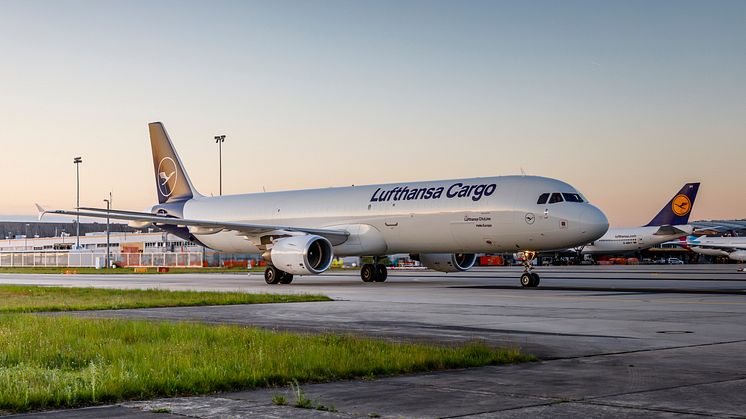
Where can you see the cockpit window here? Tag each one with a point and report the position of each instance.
(543, 199)
(556, 197)
(572, 197)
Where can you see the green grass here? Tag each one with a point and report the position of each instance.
(161, 410)
(24, 299)
(53, 362)
(279, 400)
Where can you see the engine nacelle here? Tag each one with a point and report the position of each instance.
(302, 255)
(739, 255)
(447, 262)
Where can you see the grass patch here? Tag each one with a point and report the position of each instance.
(304, 402)
(24, 299)
(53, 362)
(161, 410)
(301, 400)
(279, 400)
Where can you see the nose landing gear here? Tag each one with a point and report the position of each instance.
(529, 279)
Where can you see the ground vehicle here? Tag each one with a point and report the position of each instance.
(675, 261)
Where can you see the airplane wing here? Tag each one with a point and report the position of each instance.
(336, 237)
(719, 229)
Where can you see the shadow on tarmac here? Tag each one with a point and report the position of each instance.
(614, 290)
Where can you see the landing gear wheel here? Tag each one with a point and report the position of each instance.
(527, 279)
(286, 278)
(272, 275)
(381, 273)
(368, 272)
(530, 280)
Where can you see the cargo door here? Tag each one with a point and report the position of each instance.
(392, 225)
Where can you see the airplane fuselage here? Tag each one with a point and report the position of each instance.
(495, 214)
(625, 240)
(732, 247)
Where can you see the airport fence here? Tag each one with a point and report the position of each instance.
(97, 259)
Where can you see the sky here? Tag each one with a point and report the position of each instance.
(626, 101)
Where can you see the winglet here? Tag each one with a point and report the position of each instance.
(41, 211)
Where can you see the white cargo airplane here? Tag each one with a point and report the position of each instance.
(732, 247)
(442, 223)
(669, 224)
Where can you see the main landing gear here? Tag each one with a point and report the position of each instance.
(373, 272)
(529, 279)
(274, 276)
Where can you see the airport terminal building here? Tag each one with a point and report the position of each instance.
(128, 247)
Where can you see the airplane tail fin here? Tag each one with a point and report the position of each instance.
(172, 181)
(677, 210)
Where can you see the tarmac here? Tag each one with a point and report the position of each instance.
(614, 341)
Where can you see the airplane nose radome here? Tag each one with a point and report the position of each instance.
(594, 222)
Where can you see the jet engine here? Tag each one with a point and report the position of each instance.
(447, 262)
(739, 255)
(301, 255)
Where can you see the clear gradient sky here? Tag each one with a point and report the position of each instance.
(625, 100)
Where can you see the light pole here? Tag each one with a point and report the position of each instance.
(25, 239)
(77, 161)
(108, 208)
(220, 139)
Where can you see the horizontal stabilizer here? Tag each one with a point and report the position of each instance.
(669, 231)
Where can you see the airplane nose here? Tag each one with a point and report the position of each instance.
(593, 222)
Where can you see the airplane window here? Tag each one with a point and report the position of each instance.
(543, 199)
(556, 197)
(572, 197)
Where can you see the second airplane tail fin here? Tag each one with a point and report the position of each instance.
(677, 211)
(172, 181)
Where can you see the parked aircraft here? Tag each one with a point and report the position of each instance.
(670, 223)
(442, 223)
(732, 247)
